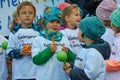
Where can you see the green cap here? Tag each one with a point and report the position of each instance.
(92, 27)
(115, 18)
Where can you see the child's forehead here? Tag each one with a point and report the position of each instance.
(26, 7)
(75, 9)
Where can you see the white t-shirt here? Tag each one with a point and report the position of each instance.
(52, 69)
(108, 36)
(72, 36)
(22, 68)
(3, 64)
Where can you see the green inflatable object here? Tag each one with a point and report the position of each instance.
(62, 56)
(4, 45)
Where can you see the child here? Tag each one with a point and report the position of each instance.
(70, 20)
(103, 11)
(89, 63)
(3, 63)
(45, 48)
(22, 35)
(113, 64)
(15, 20)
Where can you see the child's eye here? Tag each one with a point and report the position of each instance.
(77, 14)
(25, 12)
(22, 13)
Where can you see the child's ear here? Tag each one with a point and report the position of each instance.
(82, 35)
(67, 18)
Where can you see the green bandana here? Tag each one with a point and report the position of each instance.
(49, 33)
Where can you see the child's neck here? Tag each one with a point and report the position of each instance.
(26, 25)
(71, 27)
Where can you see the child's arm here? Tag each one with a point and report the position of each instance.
(112, 65)
(76, 73)
(70, 55)
(45, 55)
(14, 53)
(13, 49)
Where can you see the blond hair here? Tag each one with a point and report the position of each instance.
(14, 20)
(25, 3)
(67, 12)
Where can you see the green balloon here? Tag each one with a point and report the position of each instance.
(4, 45)
(62, 56)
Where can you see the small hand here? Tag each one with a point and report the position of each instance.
(53, 47)
(23, 51)
(29, 54)
(64, 48)
(67, 68)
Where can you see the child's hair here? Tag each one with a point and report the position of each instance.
(107, 23)
(67, 12)
(25, 3)
(14, 20)
(40, 23)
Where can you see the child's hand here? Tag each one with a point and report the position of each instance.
(53, 47)
(23, 51)
(65, 49)
(67, 68)
(29, 54)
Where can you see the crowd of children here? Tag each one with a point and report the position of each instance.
(91, 44)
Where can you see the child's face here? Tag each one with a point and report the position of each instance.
(26, 15)
(79, 36)
(55, 25)
(115, 29)
(74, 18)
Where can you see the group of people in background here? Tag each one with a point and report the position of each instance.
(91, 42)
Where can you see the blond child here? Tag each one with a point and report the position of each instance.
(70, 19)
(20, 36)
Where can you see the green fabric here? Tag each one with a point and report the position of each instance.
(115, 18)
(48, 33)
(51, 13)
(43, 57)
(70, 56)
(92, 27)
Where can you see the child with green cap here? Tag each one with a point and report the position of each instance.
(113, 64)
(89, 63)
(46, 46)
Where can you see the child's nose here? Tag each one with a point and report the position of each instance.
(27, 13)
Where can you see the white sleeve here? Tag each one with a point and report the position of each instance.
(94, 64)
(35, 46)
(13, 43)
